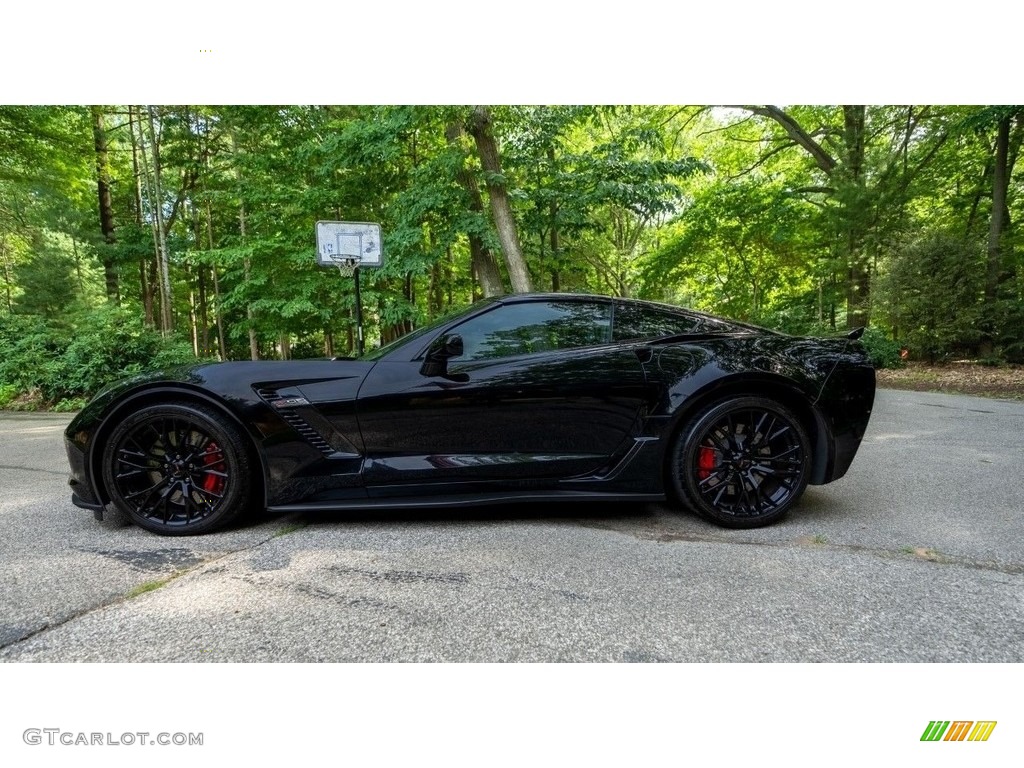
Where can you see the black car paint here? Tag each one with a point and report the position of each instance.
(582, 423)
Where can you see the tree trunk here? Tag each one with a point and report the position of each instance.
(156, 286)
(484, 266)
(193, 317)
(553, 224)
(501, 209)
(146, 287)
(983, 186)
(167, 317)
(1000, 185)
(554, 252)
(435, 294)
(203, 331)
(204, 322)
(218, 315)
(7, 272)
(99, 136)
(254, 346)
(858, 287)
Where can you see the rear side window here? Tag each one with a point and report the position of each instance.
(633, 321)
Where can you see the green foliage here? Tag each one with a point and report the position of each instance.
(726, 210)
(63, 364)
(68, 404)
(7, 393)
(882, 349)
(932, 290)
(741, 249)
(107, 344)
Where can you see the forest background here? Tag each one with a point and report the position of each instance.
(138, 236)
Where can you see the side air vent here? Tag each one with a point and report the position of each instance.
(286, 406)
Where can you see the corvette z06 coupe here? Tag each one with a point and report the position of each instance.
(531, 397)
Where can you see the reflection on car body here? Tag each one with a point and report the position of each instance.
(531, 396)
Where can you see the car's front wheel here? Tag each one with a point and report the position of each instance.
(177, 469)
(742, 463)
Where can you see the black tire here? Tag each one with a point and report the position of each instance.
(178, 469)
(742, 462)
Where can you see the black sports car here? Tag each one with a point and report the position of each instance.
(540, 397)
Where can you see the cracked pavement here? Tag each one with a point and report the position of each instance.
(916, 555)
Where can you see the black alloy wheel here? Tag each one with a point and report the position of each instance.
(177, 469)
(742, 463)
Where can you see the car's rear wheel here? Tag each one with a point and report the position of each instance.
(742, 463)
(177, 469)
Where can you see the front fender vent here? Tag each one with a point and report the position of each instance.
(291, 413)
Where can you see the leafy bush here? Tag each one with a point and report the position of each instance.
(69, 404)
(932, 290)
(882, 349)
(66, 363)
(7, 393)
(32, 353)
(108, 344)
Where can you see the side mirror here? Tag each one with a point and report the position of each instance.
(435, 362)
(453, 346)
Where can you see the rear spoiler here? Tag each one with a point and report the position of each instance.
(855, 334)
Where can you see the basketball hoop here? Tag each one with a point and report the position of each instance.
(349, 246)
(346, 265)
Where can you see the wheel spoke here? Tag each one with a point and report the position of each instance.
(136, 466)
(757, 430)
(713, 437)
(149, 490)
(132, 473)
(763, 500)
(723, 487)
(774, 472)
(744, 494)
(147, 508)
(165, 497)
(200, 489)
(779, 455)
(190, 503)
(764, 435)
(706, 482)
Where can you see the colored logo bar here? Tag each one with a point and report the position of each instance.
(958, 730)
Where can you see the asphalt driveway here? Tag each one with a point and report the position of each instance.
(916, 555)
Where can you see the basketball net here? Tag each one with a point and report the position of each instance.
(346, 264)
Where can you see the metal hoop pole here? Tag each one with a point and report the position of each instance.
(359, 311)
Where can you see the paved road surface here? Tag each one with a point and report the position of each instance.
(916, 555)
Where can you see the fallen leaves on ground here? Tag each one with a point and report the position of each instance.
(958, 378)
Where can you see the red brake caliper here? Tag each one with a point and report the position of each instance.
(213, 459)
(706, 462)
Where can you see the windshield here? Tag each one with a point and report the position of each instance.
(426, 330)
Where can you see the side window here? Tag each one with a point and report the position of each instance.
(639, 322)
(522, 329)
